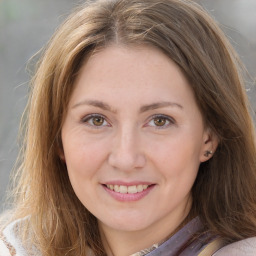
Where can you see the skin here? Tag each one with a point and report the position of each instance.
(128, 142)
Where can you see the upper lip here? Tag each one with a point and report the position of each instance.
(130, 183)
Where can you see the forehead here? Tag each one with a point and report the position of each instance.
(129, 62)
(143, 72)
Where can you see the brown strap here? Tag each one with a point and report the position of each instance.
(212, 247)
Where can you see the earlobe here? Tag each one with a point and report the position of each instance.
(61, 155)
(60, 150)
(208, 153)
(210, 144)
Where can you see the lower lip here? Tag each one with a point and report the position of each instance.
(128, 197)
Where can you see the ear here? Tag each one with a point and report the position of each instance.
(209, 145)
(61, 154)
(62, 157)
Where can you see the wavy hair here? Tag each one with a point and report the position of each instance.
(224, 193)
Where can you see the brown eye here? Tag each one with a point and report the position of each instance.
(95, 121)
(160, 121)
(98, 121)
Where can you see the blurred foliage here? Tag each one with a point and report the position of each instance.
(9, 10)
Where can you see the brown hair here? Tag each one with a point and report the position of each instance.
(224, 194)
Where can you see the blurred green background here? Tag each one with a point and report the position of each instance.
(27, 25)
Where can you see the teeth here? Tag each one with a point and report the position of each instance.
(127, 189)
(140, 188)
(132, 190)
(123, 189)
(117, 188)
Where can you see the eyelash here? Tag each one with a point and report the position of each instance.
(86, 120)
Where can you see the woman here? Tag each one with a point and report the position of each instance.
(138, 139)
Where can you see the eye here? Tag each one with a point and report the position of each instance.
(95, 120)
(160, 121)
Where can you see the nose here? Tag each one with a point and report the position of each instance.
(126, 153)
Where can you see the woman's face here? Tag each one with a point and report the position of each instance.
(133, 139)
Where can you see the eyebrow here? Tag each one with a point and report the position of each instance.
(95, 103)
(159, 105)
(145, 108)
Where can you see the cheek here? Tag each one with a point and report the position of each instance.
(84, 161)
(177, 159)
(84, 158)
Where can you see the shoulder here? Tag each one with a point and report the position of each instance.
(4, 251)
(246, 247)
(10, 241)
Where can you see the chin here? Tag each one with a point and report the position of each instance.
(127, 223)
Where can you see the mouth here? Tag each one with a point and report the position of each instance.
(128, 192)
(122, 189)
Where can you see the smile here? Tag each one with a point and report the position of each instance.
(127, 189)
(128, 192)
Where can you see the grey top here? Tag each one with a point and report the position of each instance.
(176, 243)
(246, 247)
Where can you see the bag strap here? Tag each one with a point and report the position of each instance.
(212, 247)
